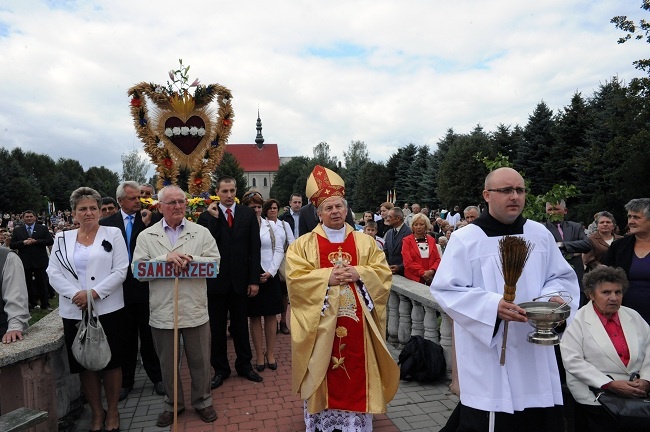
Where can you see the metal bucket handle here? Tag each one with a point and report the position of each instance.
(564, 295)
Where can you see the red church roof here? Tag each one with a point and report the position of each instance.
(253, 159)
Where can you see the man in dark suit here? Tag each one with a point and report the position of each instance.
(31, 240)
(292, 217)
(132, 222)
(237, 233)
(393, 240)
(570, 238)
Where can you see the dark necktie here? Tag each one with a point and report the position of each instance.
(230, 219)
(29, 230)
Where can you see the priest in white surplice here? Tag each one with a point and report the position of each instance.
(525, 393)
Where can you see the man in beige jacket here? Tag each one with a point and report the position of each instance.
(175, 239)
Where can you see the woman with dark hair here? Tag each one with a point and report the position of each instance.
(606, 346)
(94, 258)
(600, 240)
(283, 235)
(632, 254)
(268, 302)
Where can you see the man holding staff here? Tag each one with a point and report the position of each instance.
(524, 393)
(175, 239)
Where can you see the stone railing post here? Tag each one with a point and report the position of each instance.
(431, 330)
(417, 319)
(393, 317)
(404, 330)
(445, 338)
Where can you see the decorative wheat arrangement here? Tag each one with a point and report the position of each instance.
(513, 253)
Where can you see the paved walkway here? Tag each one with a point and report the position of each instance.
(270, 405)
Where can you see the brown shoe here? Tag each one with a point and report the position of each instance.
(207, 414)
(167, 418)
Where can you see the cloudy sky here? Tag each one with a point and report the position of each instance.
(386, 72)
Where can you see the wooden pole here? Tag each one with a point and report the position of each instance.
(175, 428)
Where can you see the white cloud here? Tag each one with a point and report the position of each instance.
(418, 67)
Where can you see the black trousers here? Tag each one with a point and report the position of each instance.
(466, 419)
(219, 305)
(36, 279)
(137, 328)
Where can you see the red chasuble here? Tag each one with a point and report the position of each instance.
(346, 374)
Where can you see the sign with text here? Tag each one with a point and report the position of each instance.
(166, 270)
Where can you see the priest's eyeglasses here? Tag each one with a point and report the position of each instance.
(509, 190)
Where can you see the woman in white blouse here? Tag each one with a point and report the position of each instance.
(268, 301)
(93, 258)
(284, 235)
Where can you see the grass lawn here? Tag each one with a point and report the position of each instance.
(37, 314)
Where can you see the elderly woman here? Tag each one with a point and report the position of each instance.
(601, 240)
(604, 345)
(632, 254)
(93, 258)
(419, 251)
(268, 302)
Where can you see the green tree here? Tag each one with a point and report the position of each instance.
(355, 158)
(372, 183)
(323, 157)
(291, 178)
(535, 154)
(134, 167)
(230, 167)
(506, 141)
(637, 32)
(464, 189)
(102, 180)
(404, 183)
(21, 191)
(69, 175)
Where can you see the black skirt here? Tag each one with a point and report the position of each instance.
(113, 324)
(268, 300)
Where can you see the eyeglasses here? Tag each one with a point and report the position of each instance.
(509, 190)
(175, 203)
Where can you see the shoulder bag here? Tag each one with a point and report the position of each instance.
(90, 347)
(628, 412)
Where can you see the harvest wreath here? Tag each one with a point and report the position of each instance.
(182, 129)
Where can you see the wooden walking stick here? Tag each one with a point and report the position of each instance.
(175, 354)
(513, 252)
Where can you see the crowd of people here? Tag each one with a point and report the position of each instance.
(335, 271)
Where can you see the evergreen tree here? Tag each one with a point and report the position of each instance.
(405, 180)
(505, 141)
(355, 158)
(69, 176)
(228, 166)
(372, 183)
(535, 154)
(461, 174)
(571, 130)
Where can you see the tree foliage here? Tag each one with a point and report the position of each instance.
(291, 178)
(228, 166)
(134, 167)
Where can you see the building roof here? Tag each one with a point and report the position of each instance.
(255, 159)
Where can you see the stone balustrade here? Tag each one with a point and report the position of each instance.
(413, 311)
(34, 373)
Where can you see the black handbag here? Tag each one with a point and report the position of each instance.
(628, 412)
